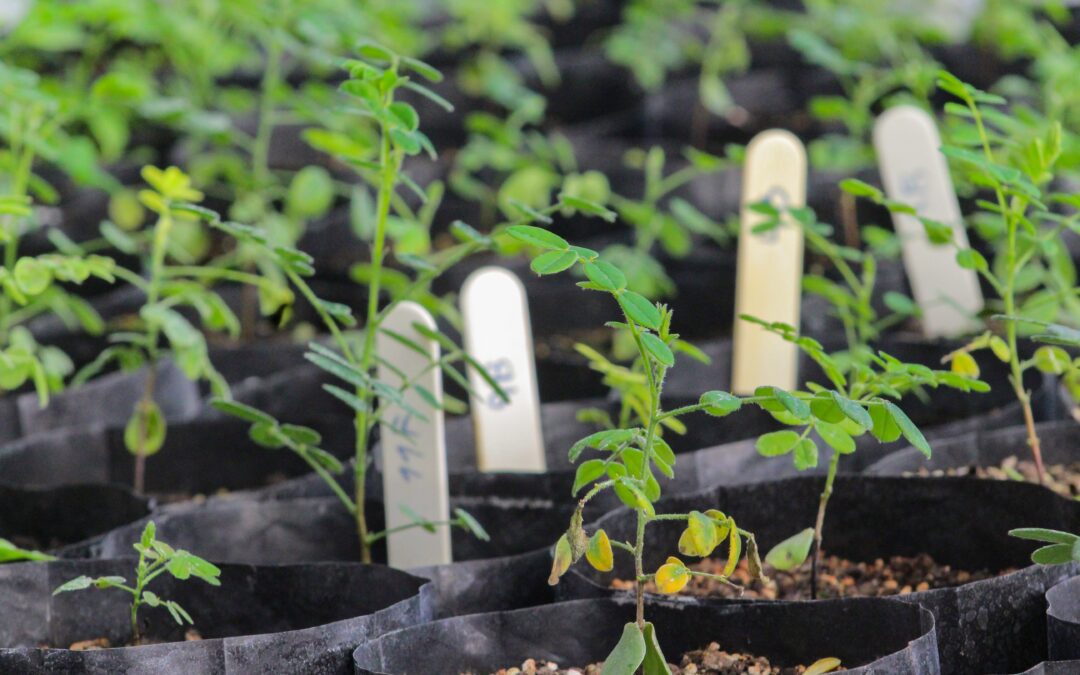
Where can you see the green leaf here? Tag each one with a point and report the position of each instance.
(472, 524)
(553, 262)
(537, 236)
(654, 663)
(586, 473)
(32, 276)
(145, 431)
(837, 439)
(76, 584)
(1054, 554)
(806, 454)
(908, 428)
(1043, 534)
(658, 349)
(792, 552)
(1052, 360)
(587, 207)
(720, 403)
(605, 275)
(777, 443)
(640, 309)
(884, 428)
(793, 405)
(628, 654)
(602, 440)
(147, 538)
(242, 411)
(971, 259)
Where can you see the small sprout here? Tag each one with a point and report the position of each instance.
(155, 558)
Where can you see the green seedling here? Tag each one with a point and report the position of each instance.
(377, 76)
(1031, 272)
(630, 457)
(1059, 547)
(10, 552)
(155, 558)
(32, 129)
(173, 282)
(864, 382)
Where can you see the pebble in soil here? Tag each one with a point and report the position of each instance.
(1063, 479)
(837, 578)
(709, 661)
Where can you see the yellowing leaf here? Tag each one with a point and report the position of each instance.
(1000, 349)
(672, 576)
(964, 364)
(734, 550)
(821, 666)
(563, 558)
(702, 534)
(599, 552)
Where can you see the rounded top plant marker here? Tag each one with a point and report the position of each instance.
(413, 440)
(915, 172)
(770, 264)
(499, 336)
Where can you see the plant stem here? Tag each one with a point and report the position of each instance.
(388, 161)
(820, 524)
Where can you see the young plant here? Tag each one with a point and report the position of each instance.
(169, 287)
(155, 558)
(864, 382)
(377, 77)
(631, 455)
(660, 219)
(10, 552)
(1030, 273)
(31, 129)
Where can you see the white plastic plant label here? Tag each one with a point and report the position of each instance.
(769, 268)
(914, 171)
(499, 336)
(413, 448)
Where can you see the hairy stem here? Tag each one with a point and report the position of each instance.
(819, 525)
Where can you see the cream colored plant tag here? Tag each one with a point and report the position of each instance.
(499, 337)
(413, 449)
(768, 280)
(914, 171)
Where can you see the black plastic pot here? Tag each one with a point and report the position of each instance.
(198, 457)
(1063, 620)
(1054, 668)
(985, 448)
(867, 636)
(994, 625)
(49, 518)
(304, 618)
(105, 401)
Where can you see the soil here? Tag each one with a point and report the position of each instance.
(709, 661)
(191, 635)
(837, 578)
(1063, 479)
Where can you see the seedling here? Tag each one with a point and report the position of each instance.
(155, 558)
(168, 287)
(1031, 273)
(377, 77)
(10, 552)
(631, 455)
(864, 384)
(30, 127)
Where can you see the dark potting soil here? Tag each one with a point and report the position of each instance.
(712, 660)
(1063, 479)
(837, 578)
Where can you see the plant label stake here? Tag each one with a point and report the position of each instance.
(915, 172)
(415, 485)
(769, 268)
(499, 337)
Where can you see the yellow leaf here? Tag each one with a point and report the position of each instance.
(703, 533)
(563, 559)
(1000, 349)
(734, 550)
(599, 552)
(825, 665)
(964, 364)
(672, 576)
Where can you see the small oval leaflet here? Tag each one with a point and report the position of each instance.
(413, 449)
(770, 264)
(498, 336)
